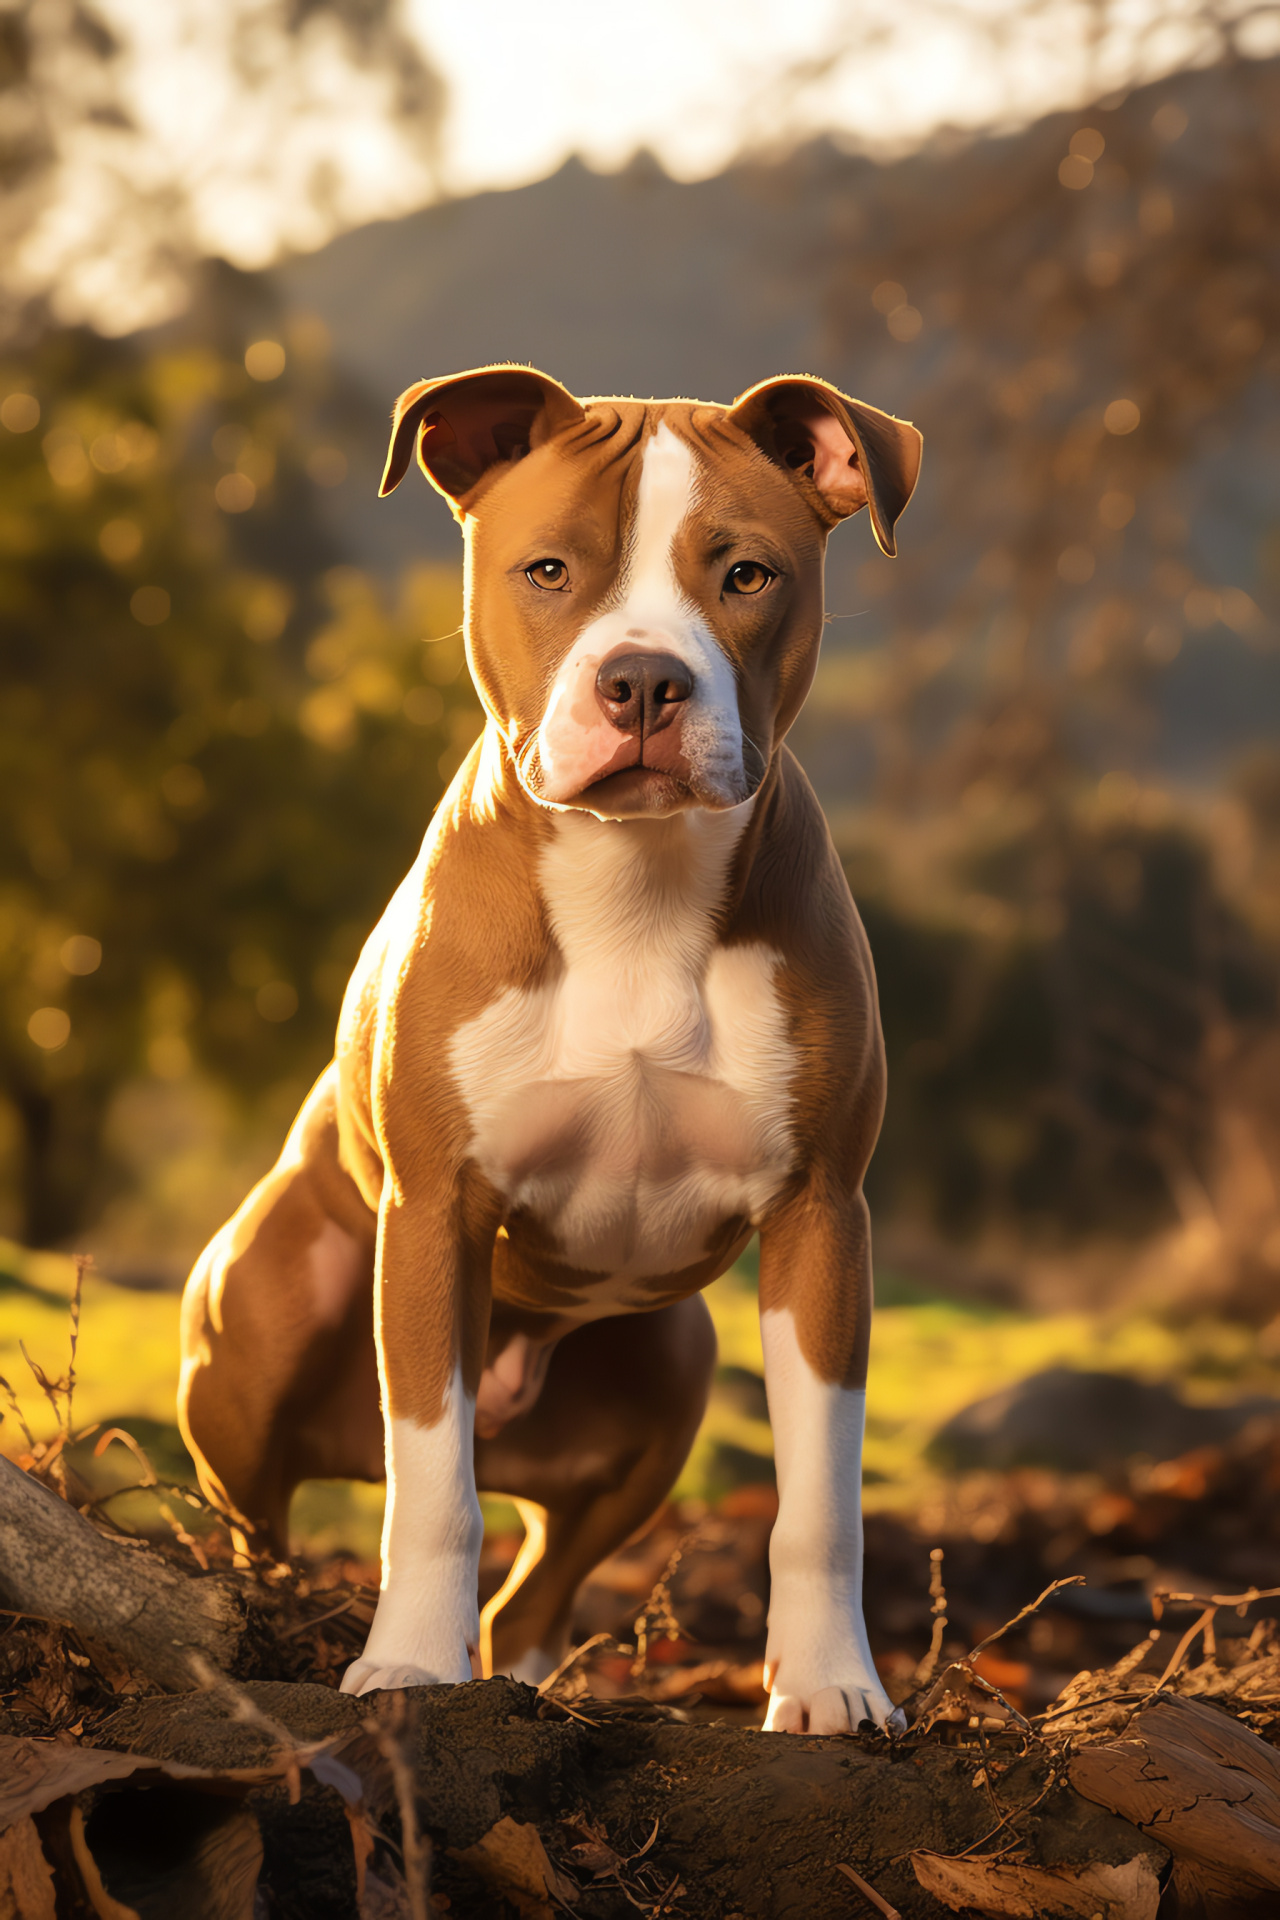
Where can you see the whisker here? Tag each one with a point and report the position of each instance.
(759, 753)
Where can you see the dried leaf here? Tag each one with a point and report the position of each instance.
(513, 1861)
(1010, 1891)
(26, 1879)
(587, 1842)
(961, 1696)
(35, 1773)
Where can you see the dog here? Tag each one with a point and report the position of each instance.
(620, 1016)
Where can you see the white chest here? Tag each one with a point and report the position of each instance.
(641, 1098)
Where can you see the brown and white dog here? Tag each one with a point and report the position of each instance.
(620, 1015)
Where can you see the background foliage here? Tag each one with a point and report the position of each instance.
(221, 743)
(1046, 736)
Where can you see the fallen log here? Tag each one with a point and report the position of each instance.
(228, 1786)
(55, 1565)
(603, 1806)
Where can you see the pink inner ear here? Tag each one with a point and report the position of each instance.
(835, 459)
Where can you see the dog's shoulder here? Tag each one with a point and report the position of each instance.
(792, 890)
(795, 898)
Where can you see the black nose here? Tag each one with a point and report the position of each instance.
(640, 692)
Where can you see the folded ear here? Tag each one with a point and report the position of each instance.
(469, 422)
(843, 452)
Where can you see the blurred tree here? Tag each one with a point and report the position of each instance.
(1073, 969)
(215, 769)
(134, 145)
(1068, 1003)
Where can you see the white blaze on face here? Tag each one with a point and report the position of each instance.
(648, 612)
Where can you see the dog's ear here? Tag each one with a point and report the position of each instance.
(844, 454)
(469, 422)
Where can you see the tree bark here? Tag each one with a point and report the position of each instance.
(56, 1566)
(1209, 1789)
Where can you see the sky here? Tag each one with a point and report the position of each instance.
(225, 135)
(693, 79)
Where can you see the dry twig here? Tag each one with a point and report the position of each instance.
(415, 1847)
(1033, 1606)
(868, 1892)
(938, 1595)
(570, 1661)
(658, 1615)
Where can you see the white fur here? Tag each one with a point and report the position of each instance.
(817, 1663)
(427, 1626)
(649, 611)
(642, 1097)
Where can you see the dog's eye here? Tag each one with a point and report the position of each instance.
(553, 575)
(748, 576)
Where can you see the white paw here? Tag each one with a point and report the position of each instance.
(366, 1676)
(839, 1707)
(375, 1670)
(824, 1681)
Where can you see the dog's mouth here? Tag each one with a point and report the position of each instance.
(671, 770)
(638, 789)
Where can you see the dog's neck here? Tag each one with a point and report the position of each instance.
(633, 887)
(640, 895)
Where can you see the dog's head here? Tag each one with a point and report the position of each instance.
(644, 578)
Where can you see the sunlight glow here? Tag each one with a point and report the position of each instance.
(695, 83)
(221, 128)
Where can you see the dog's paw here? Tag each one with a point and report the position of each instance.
(369, 1675)
(840, 1707)
(366, 1676)
(821, 1677)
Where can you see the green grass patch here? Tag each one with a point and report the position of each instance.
(930, 1356)
(128, 1351)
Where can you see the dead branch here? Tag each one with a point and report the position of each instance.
(54, 1565)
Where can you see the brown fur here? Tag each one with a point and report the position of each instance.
(376, 1227)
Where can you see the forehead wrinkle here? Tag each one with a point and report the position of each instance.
(612, 449)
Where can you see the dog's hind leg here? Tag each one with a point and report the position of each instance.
(589, 1464)
(279, 1376)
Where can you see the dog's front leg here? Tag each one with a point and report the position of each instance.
(815, 1306)
(432, 1313)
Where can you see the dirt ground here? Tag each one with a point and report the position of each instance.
(638, 1780)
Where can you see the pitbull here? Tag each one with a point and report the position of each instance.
(620, 1016)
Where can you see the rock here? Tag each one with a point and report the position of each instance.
(1079, 1422)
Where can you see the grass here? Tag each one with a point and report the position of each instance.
(930, 1356)
(128, 1357)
